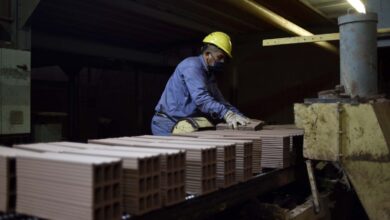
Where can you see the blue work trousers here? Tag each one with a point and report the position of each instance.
(162, 125)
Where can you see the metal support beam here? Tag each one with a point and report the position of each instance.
(382, 32)
(300, 40)
(313, 187)
(203, 206)
(85, 47)
(278, 21)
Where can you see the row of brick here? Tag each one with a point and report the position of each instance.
(141, 172)
(160, 171)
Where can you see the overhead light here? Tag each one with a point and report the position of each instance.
(358, 5)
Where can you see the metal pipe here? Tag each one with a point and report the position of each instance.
(278, 21)
(358, 54)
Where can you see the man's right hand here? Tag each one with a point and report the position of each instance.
(233, 119)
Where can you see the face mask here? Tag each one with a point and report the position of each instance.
(217, 67)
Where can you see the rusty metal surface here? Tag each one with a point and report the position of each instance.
(366, 153)
(321, 125)
(362, 135)
(371, 181)
(382, 112)
(364, 147)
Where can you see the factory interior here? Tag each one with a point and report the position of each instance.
(298, 128)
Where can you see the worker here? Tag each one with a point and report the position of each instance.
(192, 91)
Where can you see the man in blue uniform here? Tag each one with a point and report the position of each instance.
(192, 90)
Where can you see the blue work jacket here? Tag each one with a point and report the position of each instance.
(192, 91)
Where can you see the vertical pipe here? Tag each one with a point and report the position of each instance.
(358, 54)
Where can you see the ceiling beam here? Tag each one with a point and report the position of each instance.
(382, 32)
(301, 39)
(278, 21)
(157, 14)
(190, 13)
(98, 49)
(221, 14)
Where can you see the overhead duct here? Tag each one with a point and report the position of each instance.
(278, 21)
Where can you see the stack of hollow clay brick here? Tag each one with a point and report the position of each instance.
(295, 134)
(174, 180)
(8, 177)
(276, 151)
(244, 162)
(200, 162)
(277, 145)
(208, 170)
(64, 186)
(172, 168)
(141, 174)
(233, 135)
(244, 151)
(243, 157)
(226, 168)
(256, 150)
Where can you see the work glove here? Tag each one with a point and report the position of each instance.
(233, 119)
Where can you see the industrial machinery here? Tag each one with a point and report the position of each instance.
(350, 126)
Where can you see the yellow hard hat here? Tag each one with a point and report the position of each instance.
(221, 40)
